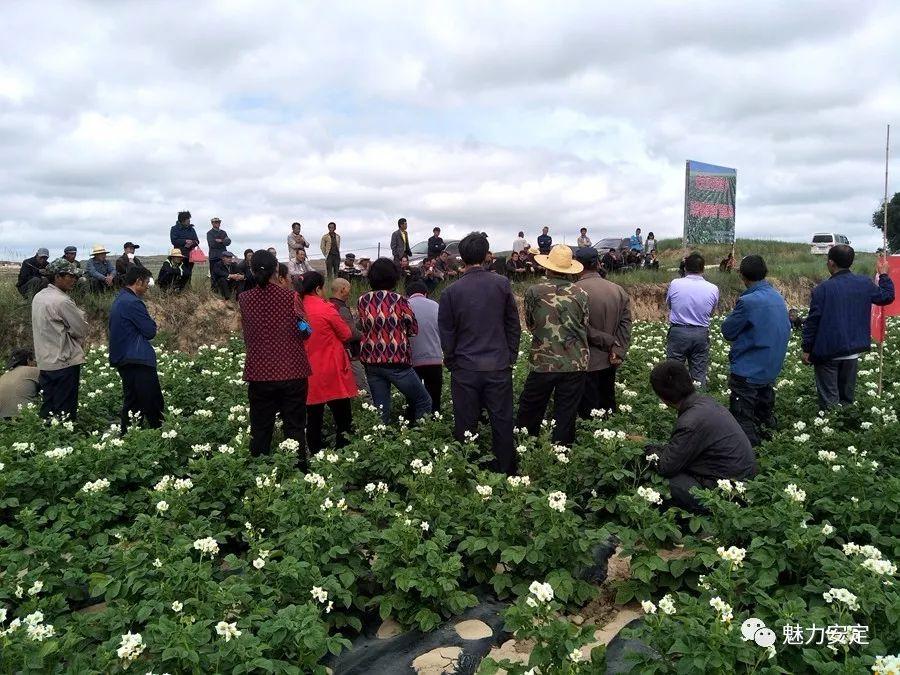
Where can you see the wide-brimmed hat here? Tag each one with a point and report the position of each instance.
(176, 253)
(559, 260)
(97, 249)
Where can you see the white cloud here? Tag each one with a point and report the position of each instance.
(498, 116)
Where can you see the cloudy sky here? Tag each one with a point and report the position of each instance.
(500, 116)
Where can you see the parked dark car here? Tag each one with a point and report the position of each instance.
(420, 251)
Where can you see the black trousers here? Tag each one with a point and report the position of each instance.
(753, 406)
(60, 391)
(680, 485)
(332, 265)
(599, 392)
(185, 280)
(141, 394)
(433, 379)
(473, 391)
(341, 411)
(268, 399)
(566, 390)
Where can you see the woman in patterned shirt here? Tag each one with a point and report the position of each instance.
(386, 322)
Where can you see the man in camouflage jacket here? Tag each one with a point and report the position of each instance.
(556, 313)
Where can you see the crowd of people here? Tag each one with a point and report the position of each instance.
(308, 350)
(230, 274)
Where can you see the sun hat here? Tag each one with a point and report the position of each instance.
(63, 266)
(97, 249)
(559, 260)
(176, 253)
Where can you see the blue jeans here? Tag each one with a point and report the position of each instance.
(406, 380)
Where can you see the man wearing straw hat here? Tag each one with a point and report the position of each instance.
(556, 313)
(100, 271)
(171, 274)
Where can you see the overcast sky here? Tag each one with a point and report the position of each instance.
(497, 116)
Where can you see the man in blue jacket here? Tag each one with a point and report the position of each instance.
(838, 328)
(758, 330)
(184, 238)
(130, 330)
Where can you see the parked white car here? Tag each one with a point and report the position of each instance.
(823, 241)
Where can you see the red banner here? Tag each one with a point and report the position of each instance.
(880, 314)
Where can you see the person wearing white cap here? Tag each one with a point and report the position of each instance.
(556, 313)
(99, 270)
(31, 274)
(171, 274)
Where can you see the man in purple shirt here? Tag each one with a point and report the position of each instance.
(691, 301)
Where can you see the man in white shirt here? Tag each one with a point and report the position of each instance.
(519, 243)
(59, 329)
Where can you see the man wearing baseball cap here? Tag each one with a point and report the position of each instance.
(556, 313)
(59, 329)
(127, 260)
(31, 274)
(217, 240)
(224, 275)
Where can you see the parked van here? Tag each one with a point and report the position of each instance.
(823, 241)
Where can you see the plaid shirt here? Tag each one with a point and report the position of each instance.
(387, 322)
(275, 350)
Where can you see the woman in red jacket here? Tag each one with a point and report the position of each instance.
(332, 381)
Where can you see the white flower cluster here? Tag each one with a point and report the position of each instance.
(201, 448)
(320, 595)
(131, 647)
(827, 455)
(340, 505)
(205, 414)
(373, 489)
(22, 446)
(843, 596)
(420, 467)
(227, 630)
(728, 486)
(314, 479)
(650, 495)
(795, 493)
(268, 480)
(207, 545)
(175, 484)
(541, 593)
(726, 613)
(557, 501)
(827, 529)
(485, 491)
(35, 629)
(260, 562)
(98, 485)
(169, 435)
(609, 435)
(177, 606)
(874, 559)
(58, 453)
(732, 554)
(801, 438)
(880, 567)
(521, 449)
(162, 506)
(518, 481)
(667, 604)
(562, 453)
(886, 665)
